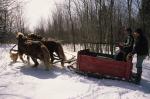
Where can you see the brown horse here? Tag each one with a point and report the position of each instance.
(52, 47)
(34, 49)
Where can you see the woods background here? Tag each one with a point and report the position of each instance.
(90, 23)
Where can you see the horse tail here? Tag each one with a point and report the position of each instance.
(61, 52)
(46, 56)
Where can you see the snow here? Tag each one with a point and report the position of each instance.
(20, 81)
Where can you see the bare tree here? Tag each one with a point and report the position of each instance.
(40, 28)
(72, 23)
(94, 23)
(129, 3)
(14, 20)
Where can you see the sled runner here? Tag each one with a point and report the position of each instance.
(102, 66)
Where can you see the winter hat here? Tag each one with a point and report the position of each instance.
(139, 31)
(129, 30)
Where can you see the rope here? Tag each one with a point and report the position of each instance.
(13, 49)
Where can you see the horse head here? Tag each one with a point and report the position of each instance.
(33, 36)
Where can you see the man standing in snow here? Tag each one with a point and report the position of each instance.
(141, 49)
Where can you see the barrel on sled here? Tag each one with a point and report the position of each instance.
(104, 65)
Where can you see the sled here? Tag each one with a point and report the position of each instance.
(102, 66)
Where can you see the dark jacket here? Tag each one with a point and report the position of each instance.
(141, 46)
(128, 45)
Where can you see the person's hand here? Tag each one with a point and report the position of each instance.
(129, 56)
(120, 44)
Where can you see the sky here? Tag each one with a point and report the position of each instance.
(34, 10)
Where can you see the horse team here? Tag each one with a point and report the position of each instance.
(35, 47)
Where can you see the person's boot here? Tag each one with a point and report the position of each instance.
(138, 76)
(138, 79)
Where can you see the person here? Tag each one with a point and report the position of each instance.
(141, 49)
(127, 46)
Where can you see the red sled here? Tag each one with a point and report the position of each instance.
(104, 65)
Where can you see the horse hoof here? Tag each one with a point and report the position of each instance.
(28, 63)
(25, 62)
(34, 66)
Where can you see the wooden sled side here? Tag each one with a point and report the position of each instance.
(107, 66)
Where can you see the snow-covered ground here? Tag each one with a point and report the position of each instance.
(20, 81)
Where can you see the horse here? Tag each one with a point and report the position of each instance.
(52, 46)
(34, 49)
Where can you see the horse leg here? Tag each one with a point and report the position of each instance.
(52, 57)
(35, 62)
(28, 58)
(61, 58)
(21, 57)
(62, 63)
(59, 52)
